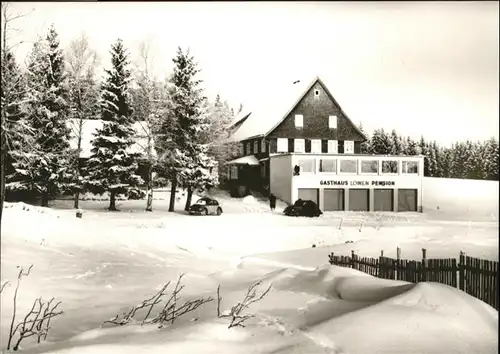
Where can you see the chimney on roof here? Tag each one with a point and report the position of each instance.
(296, 82)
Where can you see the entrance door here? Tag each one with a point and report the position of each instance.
(359, 199)
(334, 199)
(309, 194)
(383, 200)
(407, 199)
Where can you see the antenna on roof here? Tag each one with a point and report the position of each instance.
(296, 82)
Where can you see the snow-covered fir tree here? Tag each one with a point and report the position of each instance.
(45, 169)
(397, 148)
(490, 163)
(190, 122)
(112, 167)
(423, 150)
(411, 147)
(16, 134)
(381, 143)
(365, 146)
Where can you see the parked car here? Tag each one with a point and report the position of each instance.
(303, 208)
(205, 206)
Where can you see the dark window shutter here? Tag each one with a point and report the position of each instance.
(357, 147)
(308, 145)
(291, 145)
(245, 152)
(251, 147)
(324, 146)
(273, 146)
(341, 146)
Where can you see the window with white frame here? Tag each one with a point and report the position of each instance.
(410, 167)
(249, 146)
(328, 165)
(263, 145)
(348, 147)
(255, 146)
(348, 166)
(389, 167)
(282, 145)
(306, 165)
(333, 147)
(369, 166)
(300, 145)
(316, 146)
(299, 121)
(332, 122)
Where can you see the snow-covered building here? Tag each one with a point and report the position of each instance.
(300, 144)
(89, 127)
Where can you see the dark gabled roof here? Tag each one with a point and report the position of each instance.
(239, 120)
(271, 114)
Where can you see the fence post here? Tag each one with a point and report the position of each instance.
(398, 262)
(330, 258)
(423, 275)
(353, 255)
(461, 271)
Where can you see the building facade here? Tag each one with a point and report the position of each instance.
(312, 150)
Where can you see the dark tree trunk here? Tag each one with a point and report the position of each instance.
(189, 198)
(76, 201)
(112, 201)
(149, 202)
(171, 207)
(45, 199)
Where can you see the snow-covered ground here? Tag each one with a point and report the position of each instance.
(106, 262)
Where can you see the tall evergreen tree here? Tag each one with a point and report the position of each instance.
(365, 146)
(112, 167)
(47, 171)
(424, 150)
(411, 147)
(381, 143)
(397, 146)
(433, 159)
(189, 123)
(490, 163)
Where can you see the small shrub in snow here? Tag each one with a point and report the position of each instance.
(36, 322)
(169, 312)
(236, 313)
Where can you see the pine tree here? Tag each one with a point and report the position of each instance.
(397, 148)
(17, 135)
(189, 124)
(365, 146)
(47, 171)
(423, 150)
(381, 143)
(444, 159)
(432, 159)
(112, 167)
(490, 157)
(459, 161)
(412, 147)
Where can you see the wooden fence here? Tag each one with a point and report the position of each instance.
(477, 277)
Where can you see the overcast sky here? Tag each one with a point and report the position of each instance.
(426, 68)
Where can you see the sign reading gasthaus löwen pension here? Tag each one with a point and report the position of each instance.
(344, 183)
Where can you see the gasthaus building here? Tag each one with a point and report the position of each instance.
(302, 145)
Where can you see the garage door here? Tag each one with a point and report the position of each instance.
(359, 200)
(383, 200)
(334, 200)
(407, 199)
(309, 194)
